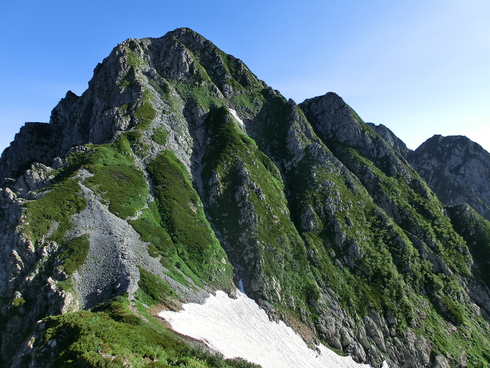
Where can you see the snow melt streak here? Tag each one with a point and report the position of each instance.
(239, 328)
(235, 115)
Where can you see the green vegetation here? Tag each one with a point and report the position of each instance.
(370, 261)
(453, 310)
(51, 212)
(154, 290)
(182, 216)
(412, 261)
(241, 179)
(389, 256)
(201, 95)
(116, 179)
(129, 79)
(308, 233)
(134, 139)
(475, 230)
(74, 162)
(17, 302)
(148, 225)
(145, 113)
(113, 336)
(469, 337)
(133, 59)
(160, 135)
(75, 254)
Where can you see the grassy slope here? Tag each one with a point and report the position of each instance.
(255, 226)
(419, 228)
(112, 335)
(291, 264)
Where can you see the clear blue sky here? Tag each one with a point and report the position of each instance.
(419, 67)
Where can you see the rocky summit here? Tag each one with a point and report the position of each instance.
(457, 170)
(179, 173)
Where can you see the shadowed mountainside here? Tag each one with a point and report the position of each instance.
(178, 173)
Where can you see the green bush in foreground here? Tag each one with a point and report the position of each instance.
(112, 336)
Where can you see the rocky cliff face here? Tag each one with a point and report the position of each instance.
(178, 173)
(457, 170)
(391, 139)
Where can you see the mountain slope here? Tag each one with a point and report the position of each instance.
(457, 169)
(179, 173)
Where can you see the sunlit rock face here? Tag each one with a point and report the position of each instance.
(178, 172)
(457, 170)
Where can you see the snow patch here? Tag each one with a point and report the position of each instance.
(237, 118)
(240, 328)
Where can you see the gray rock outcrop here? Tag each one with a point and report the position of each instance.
(457, 170)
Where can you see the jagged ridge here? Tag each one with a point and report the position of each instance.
(178, 163)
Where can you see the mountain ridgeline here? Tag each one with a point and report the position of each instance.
(178, 173)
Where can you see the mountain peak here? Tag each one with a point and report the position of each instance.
(457, 169)
(128, 84)
(178, 173)
(335, 117)
(185, 33)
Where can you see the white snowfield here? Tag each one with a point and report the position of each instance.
(235, 115)
(240, 328)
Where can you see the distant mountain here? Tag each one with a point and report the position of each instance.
(457, 169)
(178, 173)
